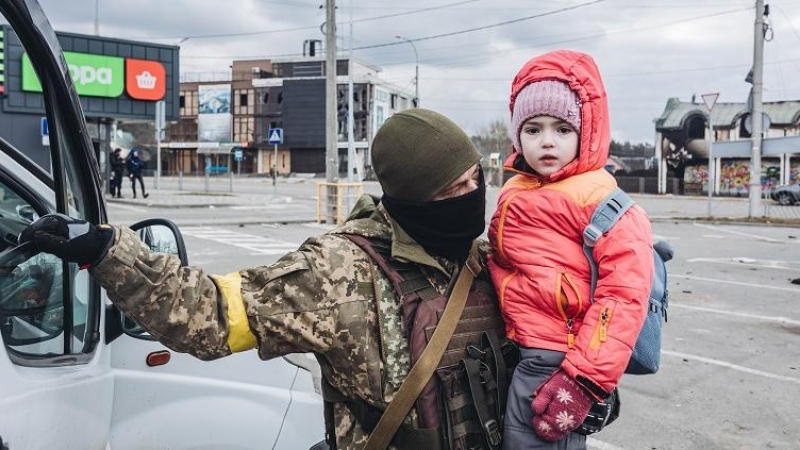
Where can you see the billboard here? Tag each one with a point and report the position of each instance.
(214, 113)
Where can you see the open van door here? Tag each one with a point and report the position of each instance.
(57, 386)
(75, 375)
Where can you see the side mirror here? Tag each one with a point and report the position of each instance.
(162, 236)
(31, 309)
(16, 270)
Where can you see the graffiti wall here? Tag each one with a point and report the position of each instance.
(735, 174)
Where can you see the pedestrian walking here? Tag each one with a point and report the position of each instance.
(352, 296)
(573, 349)
(135, 167)
(117, 172)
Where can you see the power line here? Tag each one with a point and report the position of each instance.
(425, 38)
(480, 56)
(616, 75)
(789, 21)
(417, 11)
(473, 56)
(312, 27)
(485, 27)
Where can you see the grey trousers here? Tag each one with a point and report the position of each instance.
(534, 368)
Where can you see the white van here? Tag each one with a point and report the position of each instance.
(74, 373)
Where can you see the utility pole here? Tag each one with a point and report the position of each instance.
(710, 100)
(416, 70)
(160, 125)
(353, 172)
(331, 138)
(756, 116)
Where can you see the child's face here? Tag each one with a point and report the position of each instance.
(548, 144)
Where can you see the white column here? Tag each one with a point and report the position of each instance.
(661, 161)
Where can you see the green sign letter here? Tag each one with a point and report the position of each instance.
(93, 75)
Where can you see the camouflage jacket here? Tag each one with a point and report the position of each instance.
(328, 297)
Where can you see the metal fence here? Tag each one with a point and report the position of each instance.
(691, 201)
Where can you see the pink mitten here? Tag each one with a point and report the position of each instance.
(560, 405)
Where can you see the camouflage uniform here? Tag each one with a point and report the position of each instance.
(328, 297)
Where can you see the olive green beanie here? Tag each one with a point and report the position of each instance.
(418, 152)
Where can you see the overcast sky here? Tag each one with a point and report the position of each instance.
(647, 50)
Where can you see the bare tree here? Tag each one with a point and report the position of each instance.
(493, 138)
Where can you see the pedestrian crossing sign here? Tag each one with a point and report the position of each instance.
(275, 136)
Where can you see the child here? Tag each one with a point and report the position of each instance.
(574, 350)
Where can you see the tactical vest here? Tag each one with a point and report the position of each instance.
(462, 406)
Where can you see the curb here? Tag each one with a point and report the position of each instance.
(173, 205)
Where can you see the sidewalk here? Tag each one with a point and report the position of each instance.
(167, 198)
(193, 192)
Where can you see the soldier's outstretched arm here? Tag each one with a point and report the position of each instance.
(291, 306)
(312, 300)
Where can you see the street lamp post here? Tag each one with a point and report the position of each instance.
(416, 69)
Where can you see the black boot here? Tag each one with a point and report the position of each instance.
(145, 195)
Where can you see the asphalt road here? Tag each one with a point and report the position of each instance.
(730, 376)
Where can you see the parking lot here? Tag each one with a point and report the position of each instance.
(730, 375)
(731, 359)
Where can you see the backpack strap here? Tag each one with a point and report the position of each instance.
(607, 214)
(485, 372)
(476, 377)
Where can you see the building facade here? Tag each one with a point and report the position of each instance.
(683, 139)
(286, 94)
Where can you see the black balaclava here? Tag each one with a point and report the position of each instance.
(443, 227)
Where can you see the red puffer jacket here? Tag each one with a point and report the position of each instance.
(538, 265)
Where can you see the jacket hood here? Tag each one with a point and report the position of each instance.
(580, 72)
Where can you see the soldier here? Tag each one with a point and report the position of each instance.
(329, 297)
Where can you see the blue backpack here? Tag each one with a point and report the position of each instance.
(646, 355)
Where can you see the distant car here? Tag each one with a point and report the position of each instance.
(788, 194)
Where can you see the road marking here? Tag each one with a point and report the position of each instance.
(737, 283)
(594, 444)
(739, 233)
(737, 367)
(779, 319)
(744, 261)
(258, 245)
(276, 207)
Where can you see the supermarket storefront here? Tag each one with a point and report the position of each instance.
(117, 80)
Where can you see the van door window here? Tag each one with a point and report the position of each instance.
(32, 299)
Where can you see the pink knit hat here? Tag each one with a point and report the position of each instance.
(545, 98)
